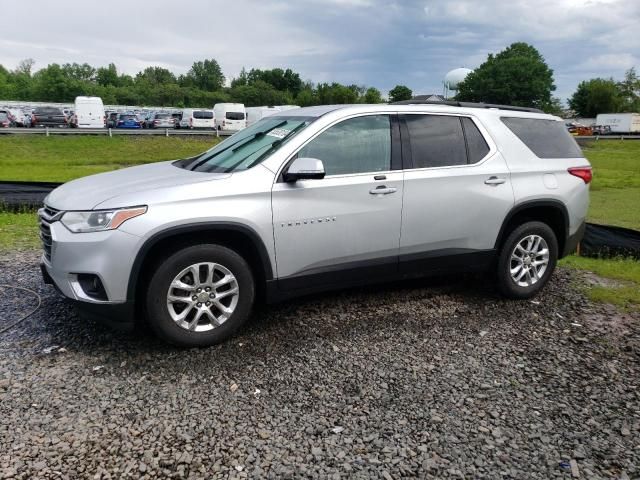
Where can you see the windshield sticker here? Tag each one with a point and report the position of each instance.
(279, 132)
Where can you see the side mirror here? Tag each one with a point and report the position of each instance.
(304, 168)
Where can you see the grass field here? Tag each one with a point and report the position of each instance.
(615, 191)
(61, 158)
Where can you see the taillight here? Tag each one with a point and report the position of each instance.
(585, 173)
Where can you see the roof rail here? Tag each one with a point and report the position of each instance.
(454, 103)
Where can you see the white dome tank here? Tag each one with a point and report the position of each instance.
(455, 77)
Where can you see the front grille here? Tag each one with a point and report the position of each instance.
(47, 216)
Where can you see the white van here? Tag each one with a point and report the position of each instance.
(89, 112)
(256, 113)
(230, 116)
(197, 118)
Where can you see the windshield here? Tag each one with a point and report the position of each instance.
(250, 146)
(128, 117)
(235, 116)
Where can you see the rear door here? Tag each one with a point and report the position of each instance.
(345, 227)
(457, 192)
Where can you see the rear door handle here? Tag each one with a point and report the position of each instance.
(382, 190)
(495, 181)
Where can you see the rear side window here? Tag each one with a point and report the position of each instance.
(235, 116)
(203, 114)
(48, 111)
(436, 141)
(477, 147)
(545, 138)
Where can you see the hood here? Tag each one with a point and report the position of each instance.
(88, 192)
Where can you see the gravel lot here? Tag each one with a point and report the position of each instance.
(432, 379)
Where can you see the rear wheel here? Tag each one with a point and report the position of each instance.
(527, 260)
(200, 296)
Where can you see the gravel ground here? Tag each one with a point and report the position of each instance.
(432, 379)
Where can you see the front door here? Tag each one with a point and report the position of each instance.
(345, 227)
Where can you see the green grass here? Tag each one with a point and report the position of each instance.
(18, 231)
(62, 158)
(626, 272)
(615, 191)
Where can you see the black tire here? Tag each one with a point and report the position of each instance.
(507, 285)
(158, 314)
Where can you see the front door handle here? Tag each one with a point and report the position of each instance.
(495, 181)
(382, 190)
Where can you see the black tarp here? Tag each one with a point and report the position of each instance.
(609, 241)
(24, 195)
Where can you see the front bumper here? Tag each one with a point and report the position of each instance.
(120, 316)
(107, 255)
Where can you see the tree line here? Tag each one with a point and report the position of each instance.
(203, 85)
(518, 75)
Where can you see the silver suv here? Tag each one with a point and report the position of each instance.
(319, 198)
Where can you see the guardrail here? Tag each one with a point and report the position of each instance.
(166, 132)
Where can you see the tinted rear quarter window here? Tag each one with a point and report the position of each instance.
(545, 138)
(203, 114)
(235, 116)
(48, 111)
(436, 141)
(477, 147)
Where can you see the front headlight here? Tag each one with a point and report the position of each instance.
(99, 220)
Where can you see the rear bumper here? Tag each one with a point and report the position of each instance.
(572, 241)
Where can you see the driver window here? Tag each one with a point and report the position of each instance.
(356, 145)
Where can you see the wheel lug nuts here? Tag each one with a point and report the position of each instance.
(198, 304)
(211, 295)
(208, 303)
(199, 290)
(194, 297)
(208, 289)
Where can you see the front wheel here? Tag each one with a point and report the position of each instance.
(527, 260)
(200, 295)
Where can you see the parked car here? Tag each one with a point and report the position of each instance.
(5, 120)
(601, 129)
(161, 120)
(230, 116)
(319, 198)
(26, 119)
(17, 116)
(89, 112)
(197, 118)
(177, 116)
(48, 117)
(128, 120)
(112, 119)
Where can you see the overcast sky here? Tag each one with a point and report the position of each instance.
(371, 42)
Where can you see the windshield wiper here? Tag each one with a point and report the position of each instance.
(237, 145)
(275, 144)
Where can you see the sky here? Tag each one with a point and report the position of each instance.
(366, 42)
